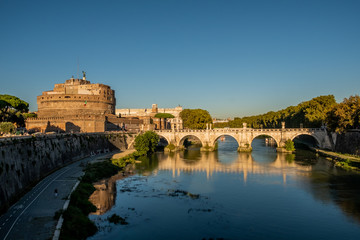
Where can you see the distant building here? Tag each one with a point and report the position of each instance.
(149, 113)
(216, 120)
(79, 106)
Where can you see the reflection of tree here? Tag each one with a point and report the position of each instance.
(344, 190)
(330, 184)
(190, 155)
(290, 158)
(148, 164)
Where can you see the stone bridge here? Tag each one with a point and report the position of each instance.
(244, 136)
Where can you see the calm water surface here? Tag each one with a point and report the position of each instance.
(230, 195)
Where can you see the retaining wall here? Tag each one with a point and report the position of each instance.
(26, 160)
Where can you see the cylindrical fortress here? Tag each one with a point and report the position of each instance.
(76, 97)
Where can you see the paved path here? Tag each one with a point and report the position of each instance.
(32, 216)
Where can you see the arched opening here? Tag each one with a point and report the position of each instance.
(305, 141)
(190, 142)
(226, 146)
(163, 142)
(226, 143)
(264, 149)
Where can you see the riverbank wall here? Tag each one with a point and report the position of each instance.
(26, 160)
(348, 142)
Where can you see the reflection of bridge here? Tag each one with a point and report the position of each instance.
(244, 136)
(243, 163)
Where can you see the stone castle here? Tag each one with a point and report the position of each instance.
(76, 97)
(80, 106)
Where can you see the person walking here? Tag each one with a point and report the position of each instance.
(56, 192)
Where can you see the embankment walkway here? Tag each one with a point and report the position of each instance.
(32, 217)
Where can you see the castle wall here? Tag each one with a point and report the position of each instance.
(81, 123)
(58, 105)
(24, 161)
(115, 124)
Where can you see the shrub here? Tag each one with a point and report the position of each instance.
(289, 145)
(146, 143)
(76, 225)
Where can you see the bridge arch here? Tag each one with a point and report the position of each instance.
(224, 135)
(182, 139)
(318, 142)
(163, 136)
(277, 141)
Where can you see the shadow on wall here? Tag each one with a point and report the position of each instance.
(115, 127)
(70, 127)
(53, 128)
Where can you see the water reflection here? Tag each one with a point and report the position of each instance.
(242, 163)
(282, 196)
(104, 196)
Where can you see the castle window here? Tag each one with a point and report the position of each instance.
(67, 96)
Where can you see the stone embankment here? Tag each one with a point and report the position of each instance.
(24, 161)
(348, 142)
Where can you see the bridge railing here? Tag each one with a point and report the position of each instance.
(224, 130)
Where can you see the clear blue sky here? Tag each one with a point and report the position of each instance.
(232, 58)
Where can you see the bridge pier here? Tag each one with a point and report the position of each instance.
(208, 147)
(244, 149)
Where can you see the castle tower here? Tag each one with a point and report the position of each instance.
(76, 97)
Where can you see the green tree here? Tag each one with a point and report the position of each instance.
(7, 127)
(195, 118)
(8, 101)
(146, 143)
(12, 109)
(164, 115)
(345, 115)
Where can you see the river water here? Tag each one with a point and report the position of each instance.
(231, 195)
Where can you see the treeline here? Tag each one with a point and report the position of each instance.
(322, 110)
(310, 114)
